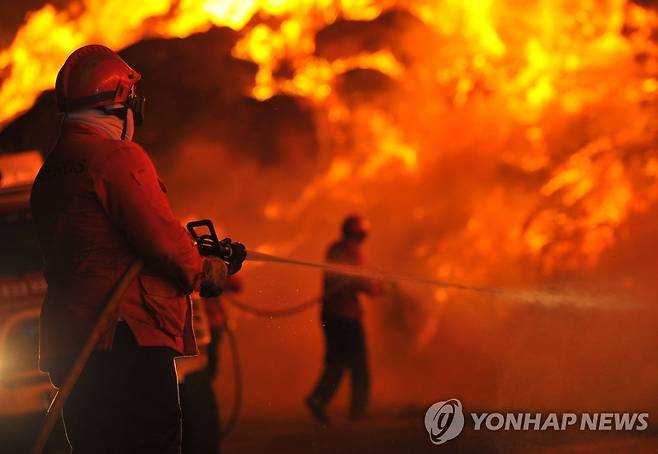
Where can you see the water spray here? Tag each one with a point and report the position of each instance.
(370, 273)
(234, 254)
(562, 296)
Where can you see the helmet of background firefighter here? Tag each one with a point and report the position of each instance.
(95, 76)
(355, 228)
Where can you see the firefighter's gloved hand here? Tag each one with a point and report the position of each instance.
(215, 273)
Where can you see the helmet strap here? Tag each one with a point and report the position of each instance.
(122, 113)
(125, 123)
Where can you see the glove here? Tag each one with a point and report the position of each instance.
(213, 282)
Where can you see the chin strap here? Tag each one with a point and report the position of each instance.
(122, 113)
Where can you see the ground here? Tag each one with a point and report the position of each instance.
(406, 433)
(388, 432)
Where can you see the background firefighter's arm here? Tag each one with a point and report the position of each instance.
(134, 198)
(367, 286)
(338, 283)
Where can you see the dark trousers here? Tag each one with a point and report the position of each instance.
(126, 401)
(345, 349)
(213, 351)
(201, 423)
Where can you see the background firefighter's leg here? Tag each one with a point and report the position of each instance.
(200, 415)
(360, 375)
(335, 361)
(201, 419)
(213, 351)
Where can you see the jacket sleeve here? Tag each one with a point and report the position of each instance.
(337, 283)
(131, 193)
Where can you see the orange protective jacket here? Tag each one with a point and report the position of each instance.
(340, 296)
(98, 204)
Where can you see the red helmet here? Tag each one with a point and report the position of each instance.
(95, 76)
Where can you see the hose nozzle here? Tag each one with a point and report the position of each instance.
(233, 253)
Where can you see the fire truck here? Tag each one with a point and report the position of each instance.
(23, 389)
(25, 392)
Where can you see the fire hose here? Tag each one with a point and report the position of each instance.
(208, 244)
(234, 255)
(234, 414)
(287, 312)
(107, 317)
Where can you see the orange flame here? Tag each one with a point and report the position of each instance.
(499, 66)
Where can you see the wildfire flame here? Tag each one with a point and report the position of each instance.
(495, 143)
(514, 73)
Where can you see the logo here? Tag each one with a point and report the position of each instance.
(444, 421)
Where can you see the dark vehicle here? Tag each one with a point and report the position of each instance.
(24, 391)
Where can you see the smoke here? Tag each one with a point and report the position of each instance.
(540, 345)
(510, 161)
(568, 324)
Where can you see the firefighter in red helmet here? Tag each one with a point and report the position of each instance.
(98, 204)
(342, 325)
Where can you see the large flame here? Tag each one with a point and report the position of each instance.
(49, 35)
(526, 66)
(519, 70)
(492, 141)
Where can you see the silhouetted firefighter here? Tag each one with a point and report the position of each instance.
(99, 205)
(343, 329)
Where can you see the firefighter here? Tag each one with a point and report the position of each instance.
(98, 204)
(342, 325)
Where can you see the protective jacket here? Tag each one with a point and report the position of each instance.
(98, 204)
(340, 298)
